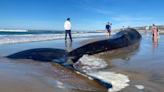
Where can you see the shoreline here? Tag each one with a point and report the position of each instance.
(145, 31)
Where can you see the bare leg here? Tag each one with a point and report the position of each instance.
(158, 36)
(109, 35)
(155, 36)
(106, 33)
(152, 35)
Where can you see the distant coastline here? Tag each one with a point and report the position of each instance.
(140, 29)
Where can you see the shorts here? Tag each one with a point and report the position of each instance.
(108, 30)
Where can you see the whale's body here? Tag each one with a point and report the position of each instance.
(121, 39)
(40, 54)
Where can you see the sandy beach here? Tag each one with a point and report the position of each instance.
(143, 65)
(63, 46)
(36, 76)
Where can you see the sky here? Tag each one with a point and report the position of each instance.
(86, 15)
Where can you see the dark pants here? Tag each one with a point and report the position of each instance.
(69, 32)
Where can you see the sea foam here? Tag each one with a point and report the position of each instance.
(90, 64)
(118, 81)
(139, 86)
(10, 39)
(3, 30)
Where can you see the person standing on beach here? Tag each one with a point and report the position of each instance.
(155, 32)
(158, 33)
(107, 30)
(152, 28)
(67, 27)
(110, 29)
(122, 27)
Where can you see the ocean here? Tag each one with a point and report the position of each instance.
(21, 36)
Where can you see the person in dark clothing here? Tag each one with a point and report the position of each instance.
(68, 32)
(108, 30)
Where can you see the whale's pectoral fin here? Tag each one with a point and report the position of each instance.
(106, 85)
(66, 61)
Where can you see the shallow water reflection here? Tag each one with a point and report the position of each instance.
(143, 65)
(155, 43)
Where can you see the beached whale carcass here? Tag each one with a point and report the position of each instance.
(121, 39)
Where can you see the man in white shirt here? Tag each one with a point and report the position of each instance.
(67, 27)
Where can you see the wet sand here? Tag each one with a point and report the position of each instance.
(34, 76)
(18, 82)
(143, 65)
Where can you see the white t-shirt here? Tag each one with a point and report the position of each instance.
(67, 25)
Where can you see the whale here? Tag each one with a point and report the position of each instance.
(124, 38)
(40, 54)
